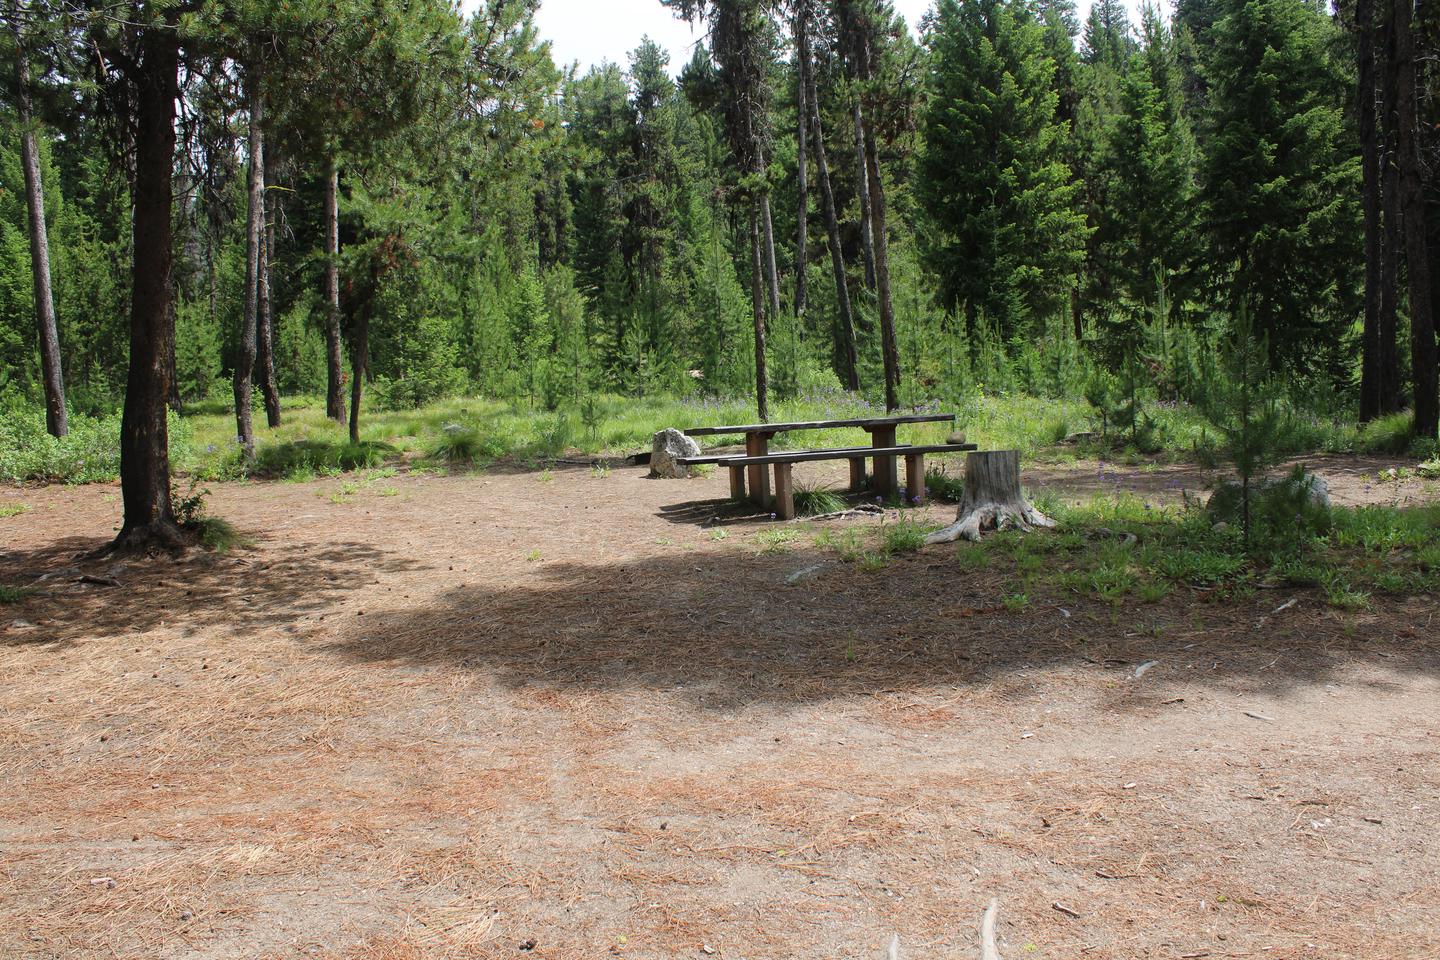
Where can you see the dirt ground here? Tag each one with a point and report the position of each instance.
(557, 715)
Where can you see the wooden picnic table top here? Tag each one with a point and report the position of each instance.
(806, 456)
(820, 424)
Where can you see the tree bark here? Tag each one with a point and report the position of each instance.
(772, 274)
(359, 367)
(334, 355)
(249, 319)
(849, 358)
(867, 236)
(992, 499)
(1370, 382)
(1387, 323)
(889, 350)
(802, 183)
(57, 421)
(144, 430)
(757, 307)
(1417, 254)
(265, 316)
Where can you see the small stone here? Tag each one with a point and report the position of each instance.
(186, 915)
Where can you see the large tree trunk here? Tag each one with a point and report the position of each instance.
(802, 184)
(848, 351)
(1412, 202)
(56, 419)
(757, 307)
(334, 354)
(249, 319)
(265, 315)
(889, 350)
(772, 273)
(992, 499)
(144, 431)
(1387, 375)
(1387, 319)
(1370, 383)
(867, 235)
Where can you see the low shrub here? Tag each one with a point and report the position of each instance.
(813, 501)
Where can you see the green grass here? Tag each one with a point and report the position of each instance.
(874, 547)
(777, 540)
(1366, 551)
(218, 534)
(9, 594)
(12, 509)
(813, 501)
(463, 431)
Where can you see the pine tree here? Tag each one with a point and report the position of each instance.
(1280, 175)
(1151, 220)
(1005, 237)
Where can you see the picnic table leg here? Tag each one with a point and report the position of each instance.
(915, 478)
(737, 482)
(784, 491)
(758, 445)
(857, 474)
(887, 474)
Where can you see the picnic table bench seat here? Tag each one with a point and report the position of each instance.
(784, 497)
(737, 469)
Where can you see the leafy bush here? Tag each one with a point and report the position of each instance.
(304, 459)
(942, 486)
(90, 454)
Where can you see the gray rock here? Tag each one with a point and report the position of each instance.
(665, 447)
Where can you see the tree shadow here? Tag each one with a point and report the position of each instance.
(727, 628)
(713, 512)
(71, 598)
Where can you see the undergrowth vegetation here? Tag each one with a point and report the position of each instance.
(1122, 549)
(461, 433)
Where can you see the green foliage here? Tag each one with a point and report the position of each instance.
(904, 535)
(305, 459)
(9, 594)
(942, 485)
(812, 501)
(1279, 174)
(89, 454)
(192, 513)
(1244, 410)
(1005, 235)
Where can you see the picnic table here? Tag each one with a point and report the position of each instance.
(882, 437)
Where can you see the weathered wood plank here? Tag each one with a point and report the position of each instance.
(757, 446)
(774, 428)
(808, 456)
(915, 478)
(784, 491)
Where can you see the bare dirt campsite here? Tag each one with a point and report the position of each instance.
(579, 713)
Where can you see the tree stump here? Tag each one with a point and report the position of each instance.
(992, 499)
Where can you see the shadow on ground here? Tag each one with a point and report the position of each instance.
(72, 598)
(725, 628)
